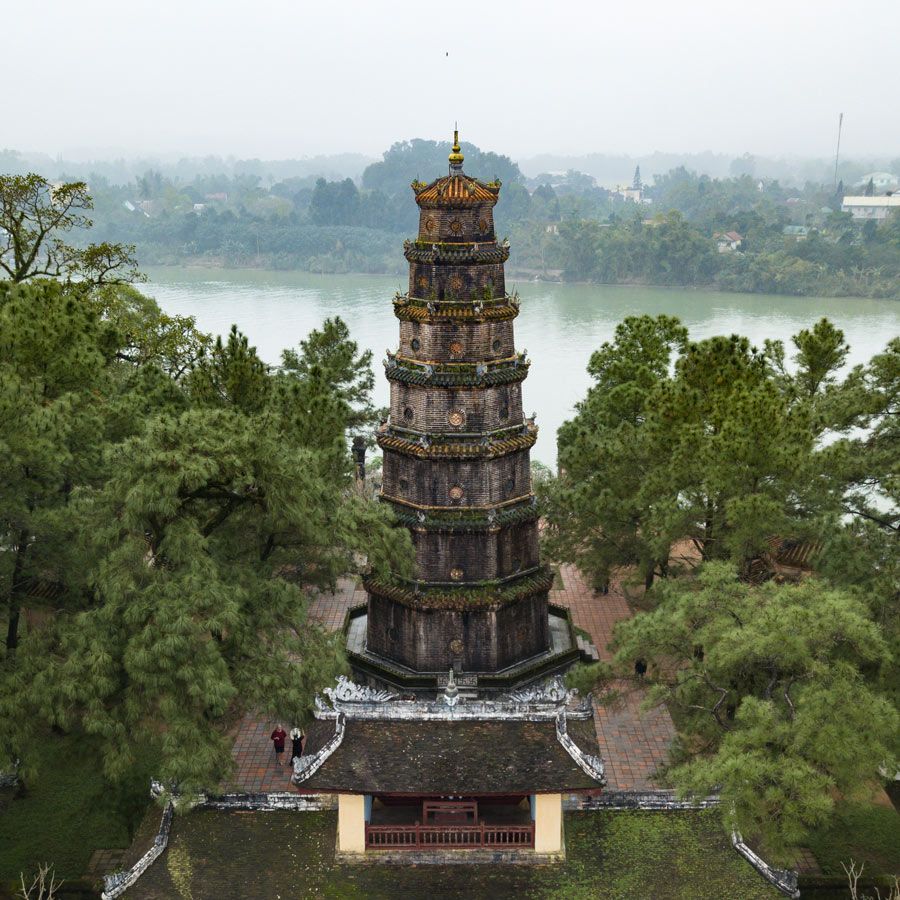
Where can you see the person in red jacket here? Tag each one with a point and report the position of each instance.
(278, 737)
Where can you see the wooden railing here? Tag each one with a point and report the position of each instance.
(424, 837)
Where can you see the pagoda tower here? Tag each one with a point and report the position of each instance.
(485, 739)
(456, 450)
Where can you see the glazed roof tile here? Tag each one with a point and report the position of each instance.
(456, 190)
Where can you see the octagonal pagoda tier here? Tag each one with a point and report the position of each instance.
(456, 450)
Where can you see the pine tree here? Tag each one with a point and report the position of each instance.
(775, 710)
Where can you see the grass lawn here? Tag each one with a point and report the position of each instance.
(611, 856)
(865, 832)
(67, 812)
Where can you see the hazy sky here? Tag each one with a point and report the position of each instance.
(273, 78)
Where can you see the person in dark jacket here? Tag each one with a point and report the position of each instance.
(297, 738)
(277, 737)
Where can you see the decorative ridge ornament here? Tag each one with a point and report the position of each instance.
(456, 157)
(451, 692)
(347, 691)
(589, 763)
(553, 690)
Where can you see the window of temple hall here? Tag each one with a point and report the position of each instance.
(456, 492)
(456, 348)
(408, 414)
(504, 412)
(456, 574)
(457, 418)
(403, 483)
(415, 344)
(423, 281)
(510, 483)
(430, 225)
(482, 226)
(496, 345)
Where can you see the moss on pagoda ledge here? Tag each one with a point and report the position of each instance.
(465, 520)
(485, 595)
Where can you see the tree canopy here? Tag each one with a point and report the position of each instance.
(33, 215)
(169, 504)
(682, 464)
(770, 687)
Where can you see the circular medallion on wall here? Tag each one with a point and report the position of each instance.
(496, 345)
(408, 414)
(456, 348)
(456, 226)
(456, 646)
(456, 574)
(456, 492)
(430, 225)
(456, 418)
(456, 283)
(415, 343)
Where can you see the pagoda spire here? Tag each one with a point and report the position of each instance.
(456, 157)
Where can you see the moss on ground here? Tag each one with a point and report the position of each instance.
(865, 832)
(67, 811)
(611, 856)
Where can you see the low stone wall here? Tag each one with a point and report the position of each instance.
(9, 779)
(268, 802)
(785, 880)
(116, 884)
(648, 800)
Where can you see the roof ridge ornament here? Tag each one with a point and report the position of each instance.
(456, 157)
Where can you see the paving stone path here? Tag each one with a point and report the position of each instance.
(633, 743)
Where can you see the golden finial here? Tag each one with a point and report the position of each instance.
(456, 157)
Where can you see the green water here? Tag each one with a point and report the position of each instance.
(559, 325)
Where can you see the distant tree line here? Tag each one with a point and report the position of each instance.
(560, 225)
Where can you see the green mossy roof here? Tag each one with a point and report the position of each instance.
(610, 856)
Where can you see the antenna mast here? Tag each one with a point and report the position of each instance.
(837, 151)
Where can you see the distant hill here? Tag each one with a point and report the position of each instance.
(186, 169)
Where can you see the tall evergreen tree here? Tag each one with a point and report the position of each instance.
(774, 708)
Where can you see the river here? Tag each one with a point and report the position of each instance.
(559, 325)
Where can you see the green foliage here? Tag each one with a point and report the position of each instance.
(66, 809)
(771, 683)
(180, 501)
(33, 214)
(868, 833)
(332, 356)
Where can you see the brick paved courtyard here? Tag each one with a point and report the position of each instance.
(632, 743)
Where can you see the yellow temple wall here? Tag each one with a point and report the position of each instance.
(548, 823)
(351, 823)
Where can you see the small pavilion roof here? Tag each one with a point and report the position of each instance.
(450, 757)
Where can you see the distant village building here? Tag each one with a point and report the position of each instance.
(635, 193)
(457, 732)
(867, 209)
(796, 232)
(880, 181)
(728, 241)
